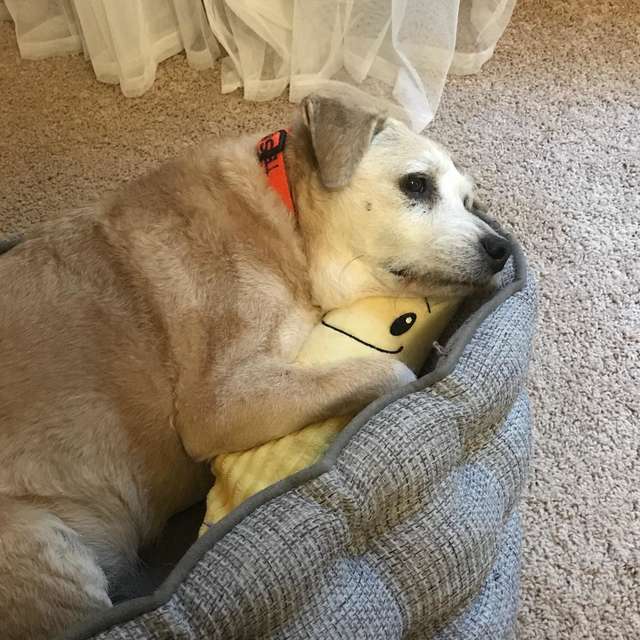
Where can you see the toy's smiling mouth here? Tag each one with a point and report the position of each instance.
(366, 344)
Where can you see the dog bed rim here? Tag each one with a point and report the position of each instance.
(131, 609)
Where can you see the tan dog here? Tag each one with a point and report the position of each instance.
(152, 333)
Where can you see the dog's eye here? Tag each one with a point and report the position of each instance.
(414, 183)
(419, 186)
(402, 324)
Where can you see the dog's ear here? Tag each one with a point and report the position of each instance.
(340, 136)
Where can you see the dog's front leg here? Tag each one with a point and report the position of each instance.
(270, 399)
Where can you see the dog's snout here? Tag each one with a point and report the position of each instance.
(497, 250)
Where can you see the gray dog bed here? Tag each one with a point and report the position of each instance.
(407, 528)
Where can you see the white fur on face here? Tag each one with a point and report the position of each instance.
(408, 244)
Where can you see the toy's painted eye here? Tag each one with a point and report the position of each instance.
(402, 324)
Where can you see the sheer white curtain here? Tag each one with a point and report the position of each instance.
(394, 53)
(123, 39)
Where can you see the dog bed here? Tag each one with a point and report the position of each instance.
(407, 528)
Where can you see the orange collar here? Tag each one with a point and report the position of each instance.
(271, 157)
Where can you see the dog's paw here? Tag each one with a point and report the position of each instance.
(380, 375)
(403, 374)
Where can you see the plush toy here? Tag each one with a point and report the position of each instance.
(403, 328)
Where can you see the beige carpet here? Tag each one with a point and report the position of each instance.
(551, 130)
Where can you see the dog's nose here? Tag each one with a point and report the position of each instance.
(497, 249)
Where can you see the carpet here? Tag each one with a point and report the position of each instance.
(550, 130)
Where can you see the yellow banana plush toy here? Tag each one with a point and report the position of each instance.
(403, 328)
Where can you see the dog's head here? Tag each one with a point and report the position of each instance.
(392, 210)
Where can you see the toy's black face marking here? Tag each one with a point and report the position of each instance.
(402, 324)
(366, 344)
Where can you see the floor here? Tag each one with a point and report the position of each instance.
(550, 128)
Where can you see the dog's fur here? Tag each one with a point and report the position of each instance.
(147, 335)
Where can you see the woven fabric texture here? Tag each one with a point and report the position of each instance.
(413, 531)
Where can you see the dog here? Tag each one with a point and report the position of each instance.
(142, 337)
